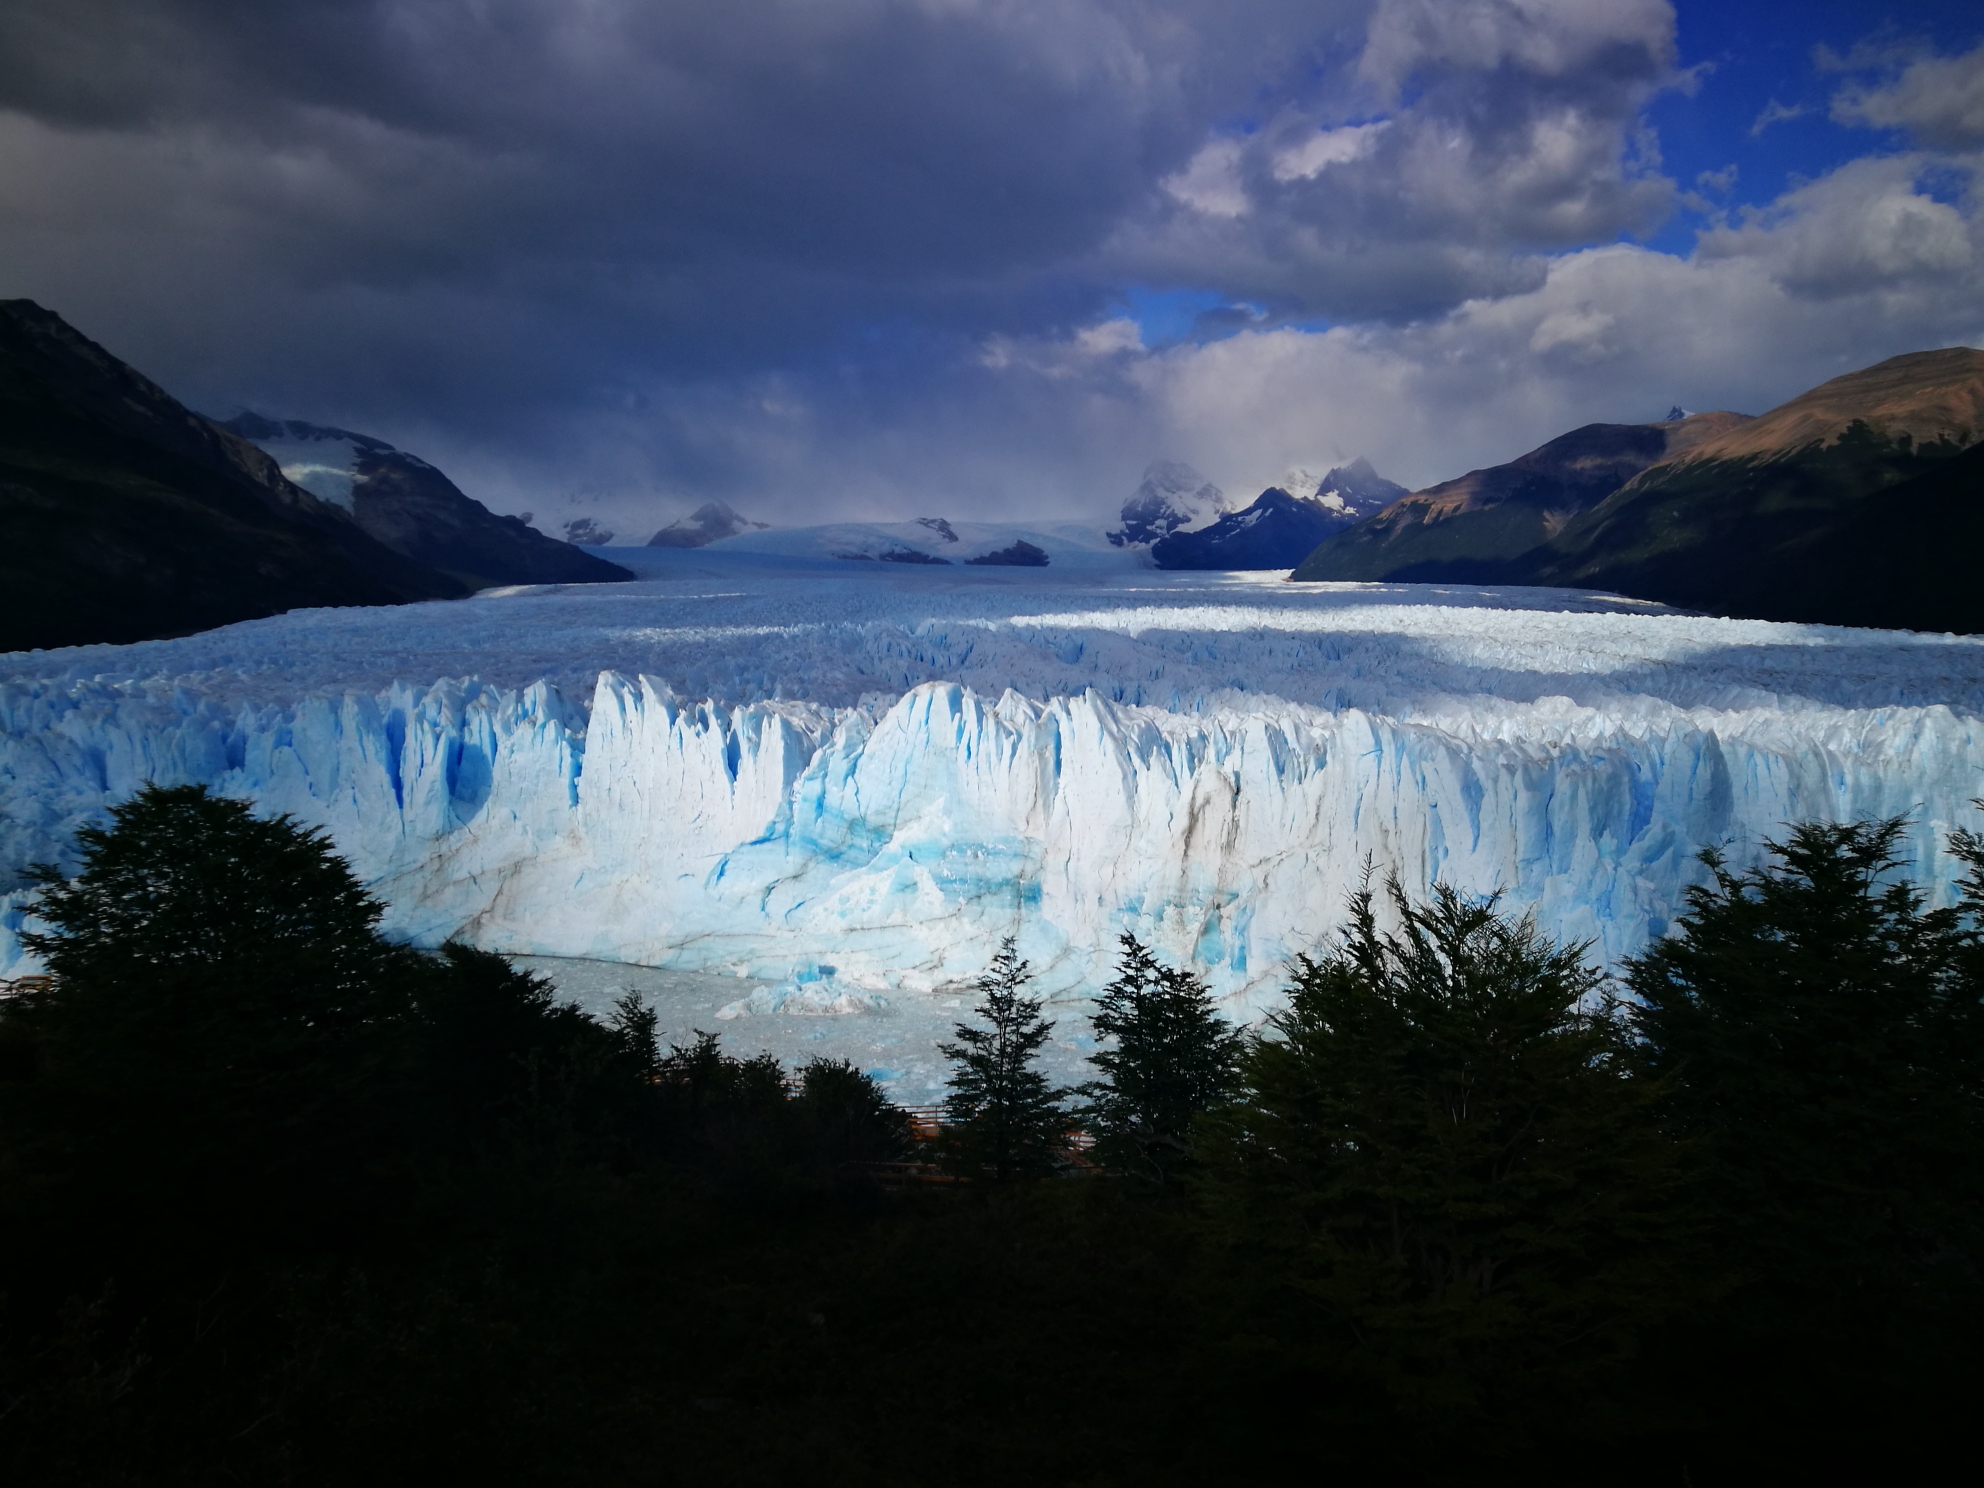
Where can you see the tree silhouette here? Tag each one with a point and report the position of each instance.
(1174, 1057)
(1002, 1118)
(1440, 1143)
(851, 1119)
(1820, 1033)
(224, 1021)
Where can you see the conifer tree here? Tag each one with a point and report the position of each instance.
(1002, 1118)
(638, 1028)
(1173, 1057)
(1826, 1052)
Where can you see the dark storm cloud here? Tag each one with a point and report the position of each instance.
(712, 165)
(1493, 130)
(861, 255)
(743, 174)
(535, 220)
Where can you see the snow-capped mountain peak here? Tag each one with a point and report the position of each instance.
(1172, 498)
(411, 507)
(1354, 490)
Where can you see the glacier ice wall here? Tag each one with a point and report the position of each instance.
(896, 838)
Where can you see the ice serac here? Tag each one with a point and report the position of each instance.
(897, 841)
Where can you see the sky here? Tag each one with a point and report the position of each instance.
(891, 258)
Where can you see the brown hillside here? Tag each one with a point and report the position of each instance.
(1600, 455)
(1928, 395)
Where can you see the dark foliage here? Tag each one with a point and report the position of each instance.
(1002, 1120)
(225, 1038)
(281, 1203)
(1174, 1057)
(1440, 1143)
(848, 1117)
(505, 1070)
(1818, 1033)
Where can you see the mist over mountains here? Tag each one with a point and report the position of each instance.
(1187, 522)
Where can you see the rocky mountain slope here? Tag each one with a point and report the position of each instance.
(126, 516)
(1841, 505)
(411, 507)
(1471, 529)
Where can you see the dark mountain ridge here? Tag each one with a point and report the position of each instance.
(708, 523)
(1356, 491)
(1472, 528)
(1279, 528)
(410, 506)
(1855, 503)
(127, 516)
(1837, 507)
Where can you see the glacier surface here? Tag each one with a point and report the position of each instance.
(851, 780)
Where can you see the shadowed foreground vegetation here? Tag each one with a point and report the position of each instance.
(281, 1202)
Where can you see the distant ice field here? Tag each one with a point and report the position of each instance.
(804, 773)
(746, 627)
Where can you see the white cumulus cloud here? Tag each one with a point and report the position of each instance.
(1939, 101)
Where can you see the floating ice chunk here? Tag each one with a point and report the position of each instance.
(811, 993)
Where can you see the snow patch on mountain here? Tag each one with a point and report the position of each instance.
(326, 468)
(1354, 490)
(586, 533)
(322, 460)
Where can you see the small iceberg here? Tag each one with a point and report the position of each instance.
(811, 993)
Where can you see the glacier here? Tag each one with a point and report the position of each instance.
(852, 780)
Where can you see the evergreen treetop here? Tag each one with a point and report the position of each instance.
(1440, 1140)
(1174, 1056)
(1002, 1118)
(1822, 1034)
